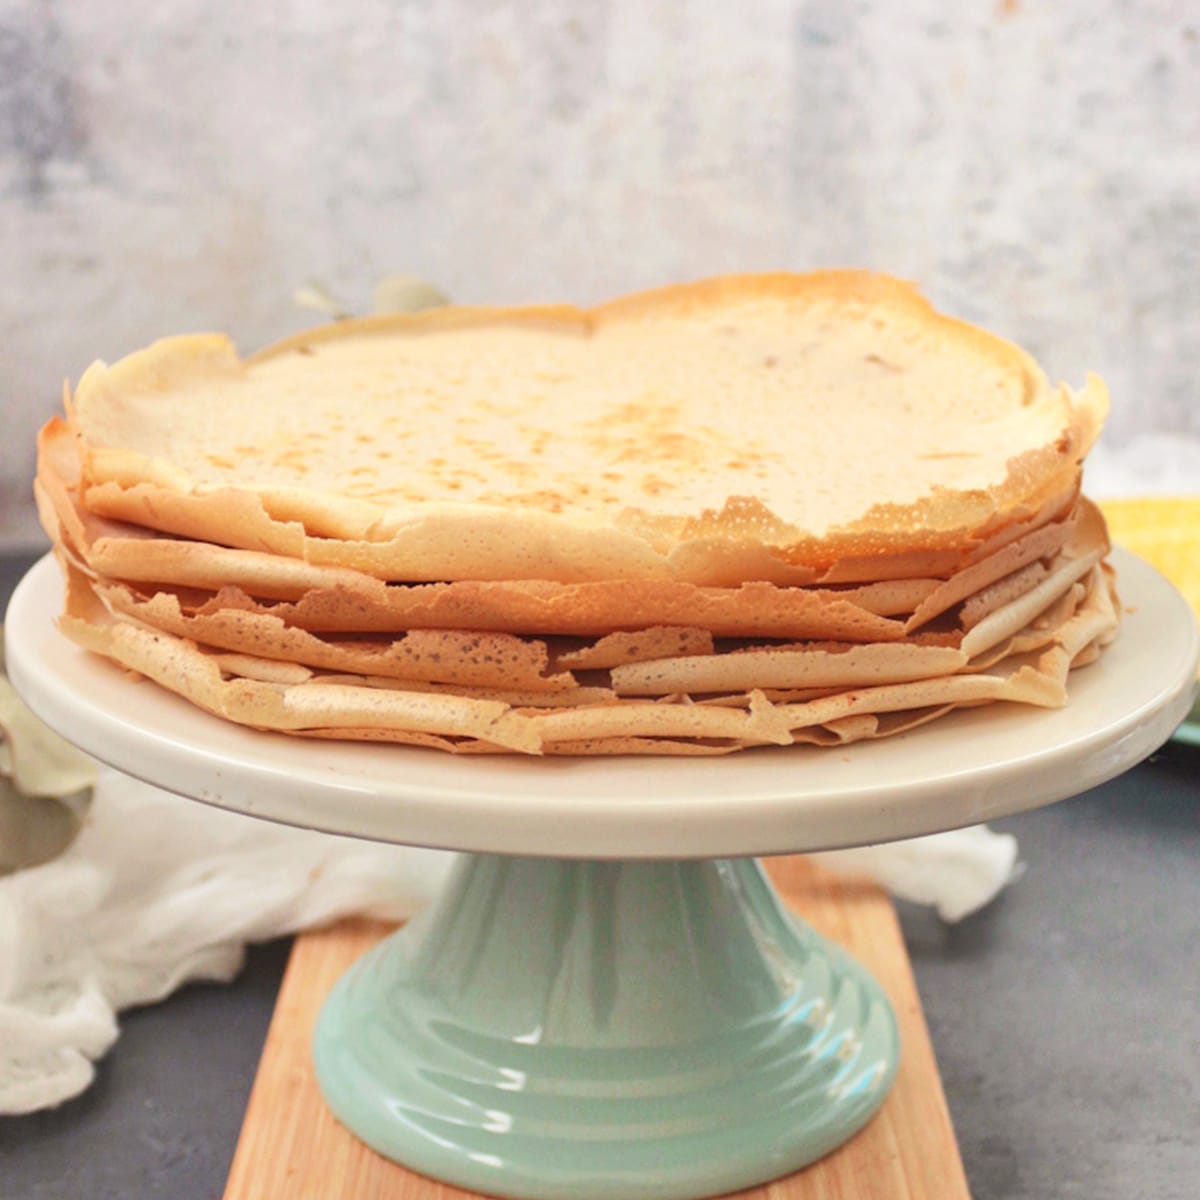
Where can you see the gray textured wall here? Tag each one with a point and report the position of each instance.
(185, 164)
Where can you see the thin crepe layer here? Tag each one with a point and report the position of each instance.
(441, 718)
(652, 662)
(320, 600)
(345, 601)
(552, 443)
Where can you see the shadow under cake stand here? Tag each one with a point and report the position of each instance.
(608, 998)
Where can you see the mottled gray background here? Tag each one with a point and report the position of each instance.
(185, 164)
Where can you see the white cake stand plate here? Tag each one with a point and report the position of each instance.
(608, 999)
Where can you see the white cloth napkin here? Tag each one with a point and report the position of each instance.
(157, 891)
(956, 872)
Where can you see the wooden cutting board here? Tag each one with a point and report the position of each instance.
(291, 1148)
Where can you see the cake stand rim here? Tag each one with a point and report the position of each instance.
(776, 800)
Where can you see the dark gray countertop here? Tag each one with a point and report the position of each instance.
(1066, 1020)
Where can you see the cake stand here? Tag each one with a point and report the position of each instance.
(608, 1000)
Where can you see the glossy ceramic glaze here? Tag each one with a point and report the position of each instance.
(573, 1030)
(972, 766)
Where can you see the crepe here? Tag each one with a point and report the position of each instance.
(325, 599)
(1062, 551)
(286, 697)
(756, 428)
(769, 510)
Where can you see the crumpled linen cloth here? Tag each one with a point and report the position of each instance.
(956, 872)
(157, 891)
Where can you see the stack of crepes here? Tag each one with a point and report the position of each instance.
(750, 511)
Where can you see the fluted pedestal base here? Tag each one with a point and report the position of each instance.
(578, 1030)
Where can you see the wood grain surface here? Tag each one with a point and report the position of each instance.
(291, 1147)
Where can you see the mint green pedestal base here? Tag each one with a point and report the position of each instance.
(578, 1030)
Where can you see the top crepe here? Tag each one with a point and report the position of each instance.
(745, 428)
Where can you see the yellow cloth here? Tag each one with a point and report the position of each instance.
(1165, 531)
